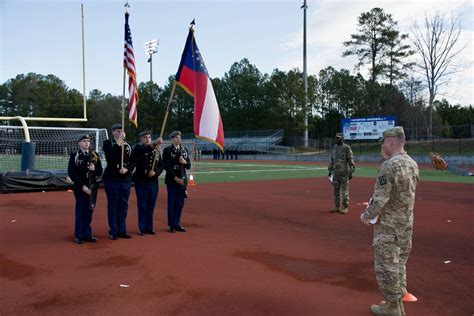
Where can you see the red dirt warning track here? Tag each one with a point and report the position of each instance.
(252, 248)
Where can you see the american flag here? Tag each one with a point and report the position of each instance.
(129, 63)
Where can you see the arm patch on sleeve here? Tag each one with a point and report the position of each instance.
(383, 180)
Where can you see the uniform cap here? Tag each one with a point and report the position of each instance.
(339, 135)
(175, 133)
(82, 137)
(397, 131)
(144, 133)
(116, 126)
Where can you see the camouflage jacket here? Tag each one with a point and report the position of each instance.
(394, 195)
(342, 161)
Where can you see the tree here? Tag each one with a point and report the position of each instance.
(241, 96)
(35, 95)
(6, 105)
(398, 51)
(371, 43)
(180, 116)
(412, 89)
(103, 110)
(455, 119)
(150, 110)
(436, 42)
(341, 92)
(284, 100)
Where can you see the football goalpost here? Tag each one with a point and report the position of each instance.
(10, 134)
(50, 146)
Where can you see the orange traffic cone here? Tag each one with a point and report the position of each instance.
(191, 181)
(408, 297)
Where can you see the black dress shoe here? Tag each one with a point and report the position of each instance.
(78, 241)
(151, 232)
(172, 230)
(140, 233)
(125, 236)
(180, 229)
(90, 239)
(113, 237)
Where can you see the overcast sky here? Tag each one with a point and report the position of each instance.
(45, 37)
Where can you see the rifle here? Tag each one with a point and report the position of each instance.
(156, 157)
(92, 183)
(183, 154)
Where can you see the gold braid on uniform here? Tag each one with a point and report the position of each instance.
(95, 157)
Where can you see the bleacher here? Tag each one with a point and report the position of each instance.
(244, 141)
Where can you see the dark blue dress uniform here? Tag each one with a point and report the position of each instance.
(117, 186)
(79, 173)
(146, 157)
(176, 192)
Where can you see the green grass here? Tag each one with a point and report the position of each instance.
(459, 147)
(13, 162)
(234, 172)
(220, 171)
(241, 171)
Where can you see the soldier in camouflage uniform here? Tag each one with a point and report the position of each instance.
(390, 210)
(341, 168)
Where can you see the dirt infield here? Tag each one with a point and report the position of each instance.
(252, 248)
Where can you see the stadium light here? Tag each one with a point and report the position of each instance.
(305, 80)
(151, 47)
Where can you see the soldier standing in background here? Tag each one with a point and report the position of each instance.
(83, 168)
(149, 166)
(340, 169)
(390, 210)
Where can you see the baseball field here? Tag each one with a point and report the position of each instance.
(260, 241)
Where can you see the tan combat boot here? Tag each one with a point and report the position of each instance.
(337, 209)
(401, 305)
(344, 210)
(388, 309)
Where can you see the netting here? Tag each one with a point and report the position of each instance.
(460, 166)
(53, 146)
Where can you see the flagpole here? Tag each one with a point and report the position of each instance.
(305, 80)
(123, 102)
(83, 65)
(168, 108)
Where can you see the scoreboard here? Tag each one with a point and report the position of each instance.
(367, 128)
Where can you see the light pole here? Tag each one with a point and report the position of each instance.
(305, 79)
(151, 47)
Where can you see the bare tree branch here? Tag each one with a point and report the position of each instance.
(437, 45)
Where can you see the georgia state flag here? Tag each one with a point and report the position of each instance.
(193, 77)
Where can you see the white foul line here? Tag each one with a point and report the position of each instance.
(252, 171)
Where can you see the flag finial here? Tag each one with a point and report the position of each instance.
(191, 25)
(126, 5)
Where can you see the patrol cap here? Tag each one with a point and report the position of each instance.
(397, 131)
(82, 137)
(339, 135)
(144, 133)
(116, 126)
(173, 134)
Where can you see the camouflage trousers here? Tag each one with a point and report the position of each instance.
(341, 190)
(390, 258)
